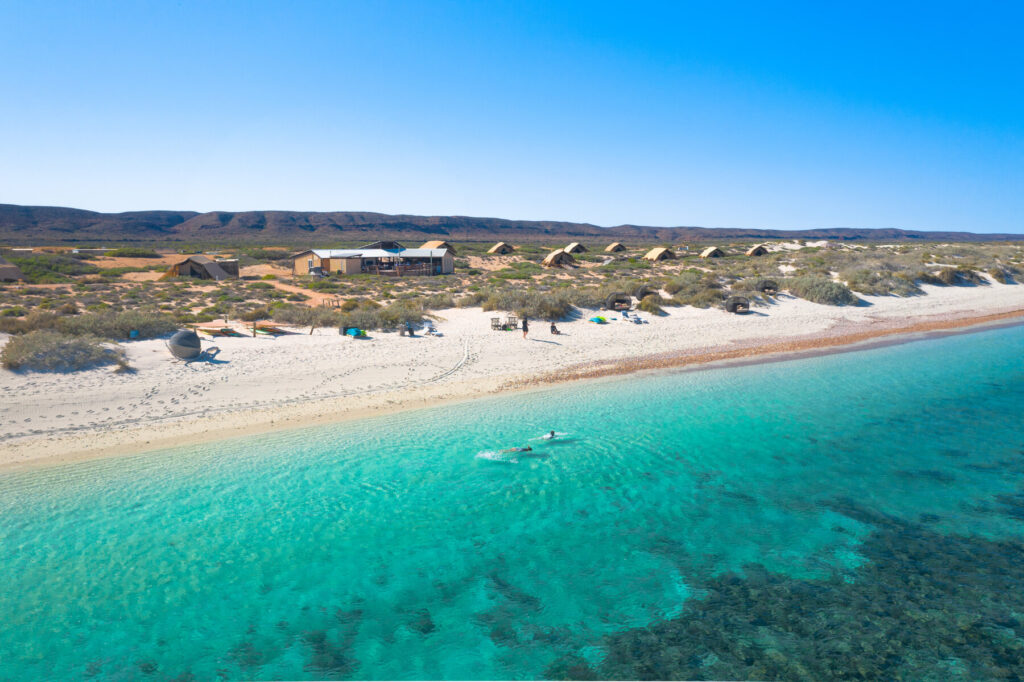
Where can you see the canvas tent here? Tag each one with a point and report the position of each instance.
(659, 253)
(438, 244)
(557, 259)
(501, 248)
(202, 267)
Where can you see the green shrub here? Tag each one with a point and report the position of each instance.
(961, 275)
(821, 290)
(542, 305)
(695, 288)
(707, 297)
(928, 278)
(1000, 275)
(117, 325)
(650, 304)
(879, 283)
(16, 311)
(50, 351)
(50, 268)
(255, 314)
(132, 252)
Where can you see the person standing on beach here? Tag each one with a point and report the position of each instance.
(526, 325)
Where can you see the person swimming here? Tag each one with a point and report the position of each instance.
(549, 436)
(526, 449)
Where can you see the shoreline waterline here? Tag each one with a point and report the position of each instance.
(49, 450)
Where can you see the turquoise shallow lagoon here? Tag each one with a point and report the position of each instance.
(725, 522)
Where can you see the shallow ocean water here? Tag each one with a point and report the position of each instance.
(388, 549)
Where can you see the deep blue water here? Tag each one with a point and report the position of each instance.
(406, 547)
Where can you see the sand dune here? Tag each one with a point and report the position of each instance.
(266, 383)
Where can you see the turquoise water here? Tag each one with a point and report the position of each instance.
(389, 549)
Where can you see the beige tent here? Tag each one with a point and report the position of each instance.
(712, 252)
(659, 253)
(575, 247)
(614, 247)
(758, 250)
(501, 248)
(557, 259)
(438, 244)
(9, 272)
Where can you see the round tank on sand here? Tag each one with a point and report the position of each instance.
(185, 345)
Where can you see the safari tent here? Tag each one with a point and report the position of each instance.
(614, 247)
(501, 248)
(619, 301)
(659, 253)
(757, 250)
(737, 304)
(438, 244)
(575, 247)
(202, 267)
(712, 252)
(9, 272)
(557, 259)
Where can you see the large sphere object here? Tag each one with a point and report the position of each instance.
(185, 344)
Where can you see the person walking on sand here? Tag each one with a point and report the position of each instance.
(526, 325)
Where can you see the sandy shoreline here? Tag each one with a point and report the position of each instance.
(263, 384)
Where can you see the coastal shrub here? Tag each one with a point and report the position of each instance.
(652, 305)
(695, 288)
(706, 297)
(33, 321)
(16, 311)
(879, 283)
(471, 299)
(547, 305)
(132, 252)
(518, 270)
(818, 289)
(118, 325)
(254, 314)
(51, 268)
(50, 351)
(1000, 275)
(924, 277)
(959, 276)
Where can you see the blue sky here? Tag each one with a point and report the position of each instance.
(792, 115)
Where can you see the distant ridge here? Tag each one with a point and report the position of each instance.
(56, 225)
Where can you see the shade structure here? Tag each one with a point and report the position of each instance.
(185, 345)
(618, 301)
(737, 304)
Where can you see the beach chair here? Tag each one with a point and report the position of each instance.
(512, 322)
(496, 323)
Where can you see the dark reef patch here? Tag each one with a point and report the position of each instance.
(924, 606)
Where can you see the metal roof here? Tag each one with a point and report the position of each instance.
(380, 253)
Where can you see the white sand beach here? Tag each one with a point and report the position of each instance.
(264, 383)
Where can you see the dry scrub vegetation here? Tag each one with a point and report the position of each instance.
(83, 297)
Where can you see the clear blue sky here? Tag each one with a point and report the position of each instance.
(795, 115)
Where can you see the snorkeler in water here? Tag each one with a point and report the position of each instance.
(549, 436)
(526, 449)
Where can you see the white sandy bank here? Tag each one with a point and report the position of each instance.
(261, 383)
